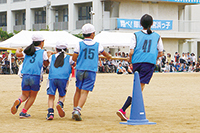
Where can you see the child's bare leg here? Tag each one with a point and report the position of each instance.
(77, 96)
(130, 71)
(76, 100)
(17, 103)
(24, 96)
(142, 86)
(51, 101)
(121, 113)
(83, 98)
(120, 70)
(62, 99)
(31, 99)
(29, 102)
(50, 114)
(60, 106)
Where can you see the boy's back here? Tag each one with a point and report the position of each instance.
(88, 57)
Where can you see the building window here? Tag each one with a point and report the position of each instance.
(18, 0)
(23, 18)
(65, 15)
(3, 20)
(16, 18)
(56, 16)
(3, 1)
(40, 17)
(84, 13)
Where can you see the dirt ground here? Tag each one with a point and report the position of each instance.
(171, 100)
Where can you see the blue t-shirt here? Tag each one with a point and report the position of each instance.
(88, 57)
(118, 69)
(146, 48)
(177, 67)
(33, 64)
(60, 72)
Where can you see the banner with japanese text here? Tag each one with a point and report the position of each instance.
(184, 1)
(135, 24)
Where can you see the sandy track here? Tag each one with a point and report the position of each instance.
(171, 100)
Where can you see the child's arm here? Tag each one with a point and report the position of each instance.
(160, 54)
(46, 62)
(46, 59)
(71, 62)
(130, 55)
(107, 55)
(74, 57)
(19, 52)
(49, 53)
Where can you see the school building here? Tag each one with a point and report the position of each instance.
(177, 21)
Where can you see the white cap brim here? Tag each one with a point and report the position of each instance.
(61, 44)
(88, 29)
(37, 37)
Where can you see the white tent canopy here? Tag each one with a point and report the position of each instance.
(107, 39)
(24, 38)
(114, 39)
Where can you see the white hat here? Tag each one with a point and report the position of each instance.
(61, 44)
(37, 37)
(88, 29)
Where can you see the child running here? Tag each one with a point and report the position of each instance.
(34, 59)
(59, 72)
(145, 48)
(86, 57)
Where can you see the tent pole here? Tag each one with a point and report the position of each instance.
(10, 62)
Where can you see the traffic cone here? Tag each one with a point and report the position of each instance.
(73, 72)
(137, 114)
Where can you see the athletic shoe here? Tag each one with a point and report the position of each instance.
(73, 115)
(77, 115)
(50, 116)
(15, 106)
(122, 115)
(60, 109)
(24, 115)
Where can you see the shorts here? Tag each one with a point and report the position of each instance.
(119, 72)
(85, 79)
(145, 71)
(30, 82)
(61, 84)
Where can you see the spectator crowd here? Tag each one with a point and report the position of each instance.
(7, 60)
(115, 66)
(185, 62)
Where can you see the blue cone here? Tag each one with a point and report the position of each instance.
(137, 114)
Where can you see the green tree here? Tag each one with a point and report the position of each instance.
(4, 35)
(79, 35)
